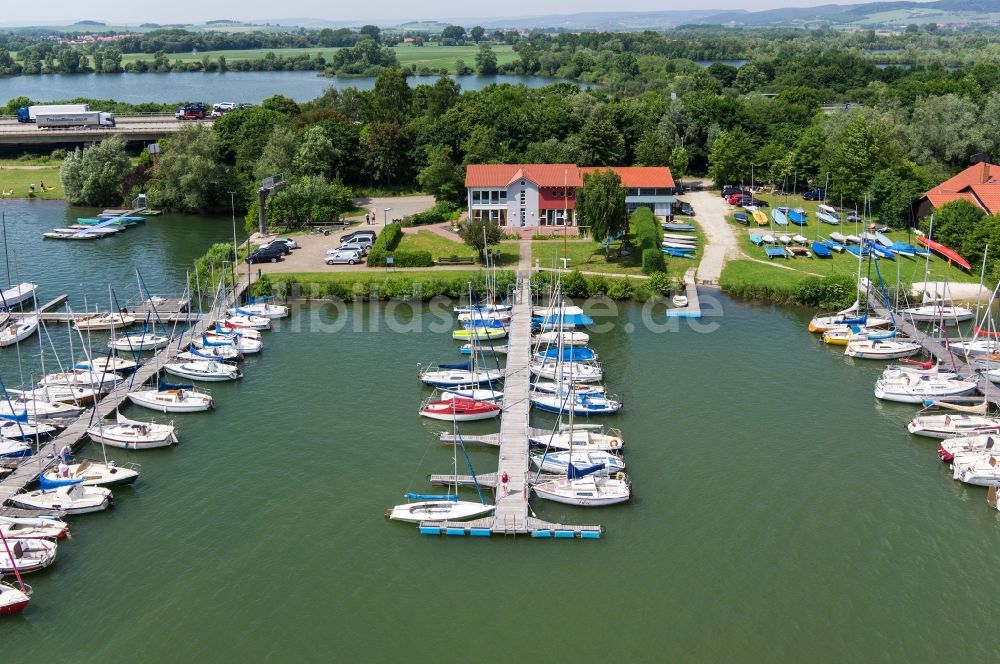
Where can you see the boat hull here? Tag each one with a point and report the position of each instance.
(438, 510)
(147, 400)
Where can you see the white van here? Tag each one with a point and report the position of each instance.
(362, 242)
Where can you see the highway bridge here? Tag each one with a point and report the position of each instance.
(133, 128)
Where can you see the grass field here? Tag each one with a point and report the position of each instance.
(442, 247)
(373, 276)
(18, 179)
(435, 57)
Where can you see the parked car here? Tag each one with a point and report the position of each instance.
(686, 209)
(362, 242)
(351, 236)
(290, 243)
(265, 255)
(277, 245)
(750, 200)
(817, 194)
(220, 109)
(195, 111)
(349, 256)
(731, 190)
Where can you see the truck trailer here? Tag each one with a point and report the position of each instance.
(30, 113)
(92, 119)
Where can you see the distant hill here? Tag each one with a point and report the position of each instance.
(91, 24)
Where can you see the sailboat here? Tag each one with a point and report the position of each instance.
(458, 408)
(581, 485)
(951, 448)
(882, 349)
(445, 507)
(24, 556)
(132, 434)
(212, 352)
(204, 370)
(244, 322)
(73, 499)
(260, 306)
(105, 321)
(558, 462)
(139, 342)
(18, 330)
(917, 389)
(33, 527)
(89, 473)
(240, 341)
(172, 398)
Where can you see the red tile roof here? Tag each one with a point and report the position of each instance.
(979, 184)
(555, 175)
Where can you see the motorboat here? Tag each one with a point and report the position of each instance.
(27, 555)
(558, 462)
(937, 313)
(950, 448)
(18, 330)
(585, 372)
(583, 439)
(453, 375)
(882, 349)
(171, 398)
(15, 295)
(26, 430)
(569, 338)
(581, 404)
(33, 527)
(139, 342)
(981, 469)
(204, 370)
(590, 491)
(978, 348)
(459, 409)
(916, 389)
(88, 473)
(133, 435)
(105, 321)
(244, 322)
(72, 499)
(109, 364)
(439, 508)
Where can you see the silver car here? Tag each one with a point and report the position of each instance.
(349, 256)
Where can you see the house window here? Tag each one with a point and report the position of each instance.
(503, 197)
(524, 197)
(475, 195)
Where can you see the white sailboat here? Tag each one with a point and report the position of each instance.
(882, 349)
(981, 469)
(18, 330)
(15, 295)
(35, 409)
(27, 555)
(260, 307)
(139, 342)
(89, 473)
(105, 321)
(171, 398)
(204, 370)
(569, 338)
(917, 389)
(558, 462)
(33, 527)
(244, 322)
(240, 342)
(73, 499)
(132, 434)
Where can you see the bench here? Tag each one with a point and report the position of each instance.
(455, 260)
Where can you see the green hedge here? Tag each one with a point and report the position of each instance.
(385, 243)
(401, 286)
(576, 284)
(832, 292)
(442, 211)
(648, 236)
(652, 261)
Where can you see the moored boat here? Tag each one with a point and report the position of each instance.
(104, 321)
(917, 389)
(459, 409)
(204, 370)
(133, 435)
(27, 555)
(73, 499)
(172, 398)
(34, 527)
(18, 330)
(882, 349)
(88, 473)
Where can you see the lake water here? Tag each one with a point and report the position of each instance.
(251, 87)
(780, 513)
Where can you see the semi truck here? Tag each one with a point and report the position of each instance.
(94, 119)
(30, 113)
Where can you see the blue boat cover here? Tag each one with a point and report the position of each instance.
(821, 250)
(479, 322)
(263, 298)
(775, 252)
(162, 385)
(429, 496)
(467, 366)
(570, 354)
(23, 417)
(677, 253)
(568, 319)
(574, 473)
(205, 341)
(860, 320)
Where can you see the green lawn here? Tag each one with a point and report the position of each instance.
(442, 247)
(374, 275)
(18, 179)
(435, 57)
(589, 256)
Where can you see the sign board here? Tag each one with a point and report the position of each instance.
(153, 148)
(388, 260)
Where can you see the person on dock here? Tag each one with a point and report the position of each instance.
(65, 453)
(505, 483)
(63, 469)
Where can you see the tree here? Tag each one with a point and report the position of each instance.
(462, 69)
(94, 176)
(312, 156)
(679, 160)
(600, 205)
(453, 32)
(895, 190)
(392, 97)
(730, 158)
(749, 78)
(856, 151)
(441, 177)
(441, 96)
(385, 151)
(278, 154)
(955, 224)
(651, 150)
(477, 33)
(472, 233)
(486, 61)
(963, 137)
(370, 32)
(189, 177)
(600, 144)
(281, 104)
(309, 199)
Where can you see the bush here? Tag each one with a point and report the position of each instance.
(597, 285)
(574, 284)
(619, 289)
(442, 211)
(648, 232)
(661, 283)
(384, 243)
(652, 261)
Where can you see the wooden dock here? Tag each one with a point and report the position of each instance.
(693, 308)
(75, 433)
(511, 516)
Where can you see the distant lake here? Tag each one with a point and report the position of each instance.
(250, 86)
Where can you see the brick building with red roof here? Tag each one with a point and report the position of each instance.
(979, 184)
(534, 195)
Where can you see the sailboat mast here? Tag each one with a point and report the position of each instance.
(13, 562)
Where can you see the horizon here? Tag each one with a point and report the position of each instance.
(379, 12)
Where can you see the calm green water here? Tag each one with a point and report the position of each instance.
(780, 514)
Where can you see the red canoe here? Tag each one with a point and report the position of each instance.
(950, 254)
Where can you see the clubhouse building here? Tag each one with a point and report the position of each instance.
(544, 195)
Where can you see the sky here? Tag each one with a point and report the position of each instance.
(124, 12)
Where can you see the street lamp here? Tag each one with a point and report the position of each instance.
(385, 215)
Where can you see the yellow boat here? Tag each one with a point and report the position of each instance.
(841, 336)
(760, 218)
(479, 333)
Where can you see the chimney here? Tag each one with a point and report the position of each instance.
(985, 177)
